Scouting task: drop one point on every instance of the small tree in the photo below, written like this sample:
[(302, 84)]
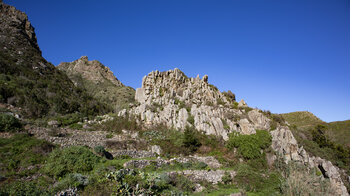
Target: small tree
[(190, 140)]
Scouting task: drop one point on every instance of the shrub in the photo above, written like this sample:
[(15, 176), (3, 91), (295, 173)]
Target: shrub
[(220, 102), (278, 119), (100, 150), (9, 123), (249, 146), (230, 96), (69, 119), (182, 183), (190, 119), (190, 141), (72, 180), (75, 159), (226, 179)]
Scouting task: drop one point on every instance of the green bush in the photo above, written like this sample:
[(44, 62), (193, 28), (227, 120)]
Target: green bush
[(72, 180), (100, 150), (75, 159), (9, 123), (249, 146), (230, 96), (226, 179), (190, 141)]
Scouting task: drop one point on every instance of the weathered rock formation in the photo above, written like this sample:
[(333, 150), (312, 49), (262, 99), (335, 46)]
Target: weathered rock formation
[(173, 99), (285, 144)]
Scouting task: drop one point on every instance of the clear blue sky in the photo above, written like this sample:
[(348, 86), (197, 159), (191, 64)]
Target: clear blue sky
[(285, 56)]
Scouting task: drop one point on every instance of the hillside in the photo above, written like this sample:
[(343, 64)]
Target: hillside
[(302, 119), (99, 81), (179, 135), (338, 131), (27, 80)]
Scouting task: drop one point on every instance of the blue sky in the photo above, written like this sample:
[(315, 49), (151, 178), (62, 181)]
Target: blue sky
[(284, 56)]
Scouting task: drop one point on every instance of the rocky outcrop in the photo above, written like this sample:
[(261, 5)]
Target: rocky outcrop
[(285, 144), (93, 71), (175, 100), (14, 24), (99, 81)]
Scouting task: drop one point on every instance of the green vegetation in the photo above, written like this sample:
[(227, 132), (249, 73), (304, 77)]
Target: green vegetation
[(190, 119), (256, 180), (117, 125), (119, 97), (190, 141), (174, 142), (44, 92), (231, 97), (326, 140), (9, 123), (22, 151), (249, 146), (24, 188), (74, 159), (299, 180), (339, 132), (302, 119), (220, 101)]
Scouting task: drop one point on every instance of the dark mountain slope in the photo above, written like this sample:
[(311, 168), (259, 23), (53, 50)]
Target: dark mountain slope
[(27, 80)]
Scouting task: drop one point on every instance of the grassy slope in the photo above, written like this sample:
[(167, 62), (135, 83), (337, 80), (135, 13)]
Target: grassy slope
[(302, 119), (338, 131), (117, 97)]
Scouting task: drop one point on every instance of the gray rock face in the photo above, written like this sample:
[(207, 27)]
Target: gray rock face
[(14, 24), (285, 144), (173, 99)]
